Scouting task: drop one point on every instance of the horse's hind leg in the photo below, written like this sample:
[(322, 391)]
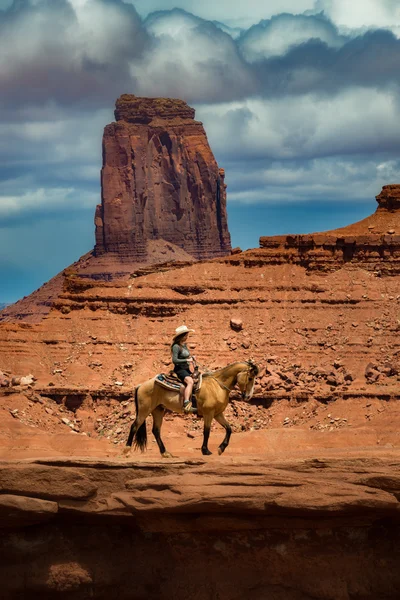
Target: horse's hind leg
[(134, 427), (158, 415), (207, 426), (222, 421), (138, 427)]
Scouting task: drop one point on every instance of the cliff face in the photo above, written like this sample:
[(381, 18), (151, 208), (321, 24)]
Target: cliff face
[(160, 180), (300, 530)]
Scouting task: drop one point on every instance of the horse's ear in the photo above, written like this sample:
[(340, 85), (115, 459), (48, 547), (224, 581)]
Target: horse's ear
[(253, 367)]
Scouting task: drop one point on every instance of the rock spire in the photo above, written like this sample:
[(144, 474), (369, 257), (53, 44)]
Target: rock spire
[(160, 180)]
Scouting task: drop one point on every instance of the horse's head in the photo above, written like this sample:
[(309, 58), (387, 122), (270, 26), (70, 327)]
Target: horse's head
[(246, 379)]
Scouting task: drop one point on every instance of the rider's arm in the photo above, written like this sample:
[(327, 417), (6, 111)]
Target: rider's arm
[(175, 359)]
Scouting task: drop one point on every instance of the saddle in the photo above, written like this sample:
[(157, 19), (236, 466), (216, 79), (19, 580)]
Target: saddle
[(170, 381)]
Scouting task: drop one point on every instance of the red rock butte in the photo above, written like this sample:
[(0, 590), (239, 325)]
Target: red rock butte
[(160, 181)]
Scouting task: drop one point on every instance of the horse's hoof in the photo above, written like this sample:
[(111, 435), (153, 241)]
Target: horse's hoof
[(167, 455), (206, 452)]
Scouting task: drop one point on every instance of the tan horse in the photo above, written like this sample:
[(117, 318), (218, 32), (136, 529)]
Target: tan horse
[(212, 400)]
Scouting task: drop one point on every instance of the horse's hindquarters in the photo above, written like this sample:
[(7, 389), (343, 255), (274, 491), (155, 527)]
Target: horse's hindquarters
[(168, 398)]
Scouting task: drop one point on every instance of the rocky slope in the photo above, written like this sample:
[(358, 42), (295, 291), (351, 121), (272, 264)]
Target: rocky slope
[(315, 332)]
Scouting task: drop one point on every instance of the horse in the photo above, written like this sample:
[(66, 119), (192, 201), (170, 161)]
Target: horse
[(212, 400)]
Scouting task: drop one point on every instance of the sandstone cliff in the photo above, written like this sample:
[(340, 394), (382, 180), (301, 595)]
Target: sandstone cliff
[(160, 180), (295, 530)]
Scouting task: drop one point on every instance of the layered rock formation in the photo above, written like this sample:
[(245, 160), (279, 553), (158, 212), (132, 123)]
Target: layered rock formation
[(373, 243), (160, 180), (286, 307), (303, 505), (293, 530)]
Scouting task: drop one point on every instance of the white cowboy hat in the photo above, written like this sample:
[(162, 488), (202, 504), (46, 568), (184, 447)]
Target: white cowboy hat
[(181, 330)]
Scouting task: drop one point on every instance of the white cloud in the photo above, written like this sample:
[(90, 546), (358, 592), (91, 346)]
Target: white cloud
[(63, 50), (243, 14), (172, 24), (70, 138), (361, 14), (190, 58), (324, 179), (355, 121), (45, 198), (276, 36), (307, 148), (103, 31)]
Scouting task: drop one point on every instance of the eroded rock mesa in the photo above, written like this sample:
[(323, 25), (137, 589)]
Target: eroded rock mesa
[(160, 180)]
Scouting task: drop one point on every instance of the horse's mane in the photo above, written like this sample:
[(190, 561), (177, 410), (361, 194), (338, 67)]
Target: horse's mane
[(218, 371)]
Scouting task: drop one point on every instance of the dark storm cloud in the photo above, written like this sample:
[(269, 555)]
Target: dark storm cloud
[(371, 60), (84, 54), (52, 50)]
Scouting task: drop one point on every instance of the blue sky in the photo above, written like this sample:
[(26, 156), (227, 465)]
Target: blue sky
[(300, 100)]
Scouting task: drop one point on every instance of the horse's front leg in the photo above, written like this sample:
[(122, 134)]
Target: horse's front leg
[(222, 421), (158, 415), (207, 417)]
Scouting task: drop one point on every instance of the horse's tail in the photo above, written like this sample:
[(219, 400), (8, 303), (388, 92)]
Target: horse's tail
[(140, 442)]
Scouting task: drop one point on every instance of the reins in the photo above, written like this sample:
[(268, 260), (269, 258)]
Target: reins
[(221, 384), (211, 376)]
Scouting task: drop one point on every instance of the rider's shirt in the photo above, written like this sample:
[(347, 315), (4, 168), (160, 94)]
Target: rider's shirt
[(180, 354)]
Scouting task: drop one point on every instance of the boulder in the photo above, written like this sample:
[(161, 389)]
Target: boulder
[(371, 373), (236, 324), (4, 380), (27, 380)]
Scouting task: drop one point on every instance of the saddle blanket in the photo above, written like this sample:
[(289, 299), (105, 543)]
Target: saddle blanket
[(171, 382)]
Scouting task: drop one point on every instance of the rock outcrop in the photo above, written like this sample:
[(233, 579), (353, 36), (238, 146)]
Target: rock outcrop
[(373, 243), (293, 530), (160, 180)]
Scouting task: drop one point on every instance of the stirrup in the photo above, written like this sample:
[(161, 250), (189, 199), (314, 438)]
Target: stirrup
[(188, 408)]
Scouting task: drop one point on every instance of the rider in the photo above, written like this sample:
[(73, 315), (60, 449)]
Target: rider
[(181, 359)]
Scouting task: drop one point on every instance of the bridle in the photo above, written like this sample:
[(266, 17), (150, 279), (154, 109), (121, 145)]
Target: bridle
[(225, 387)]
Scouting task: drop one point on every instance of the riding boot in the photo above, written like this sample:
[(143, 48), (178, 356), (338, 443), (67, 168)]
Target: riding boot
[(188, 408)]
